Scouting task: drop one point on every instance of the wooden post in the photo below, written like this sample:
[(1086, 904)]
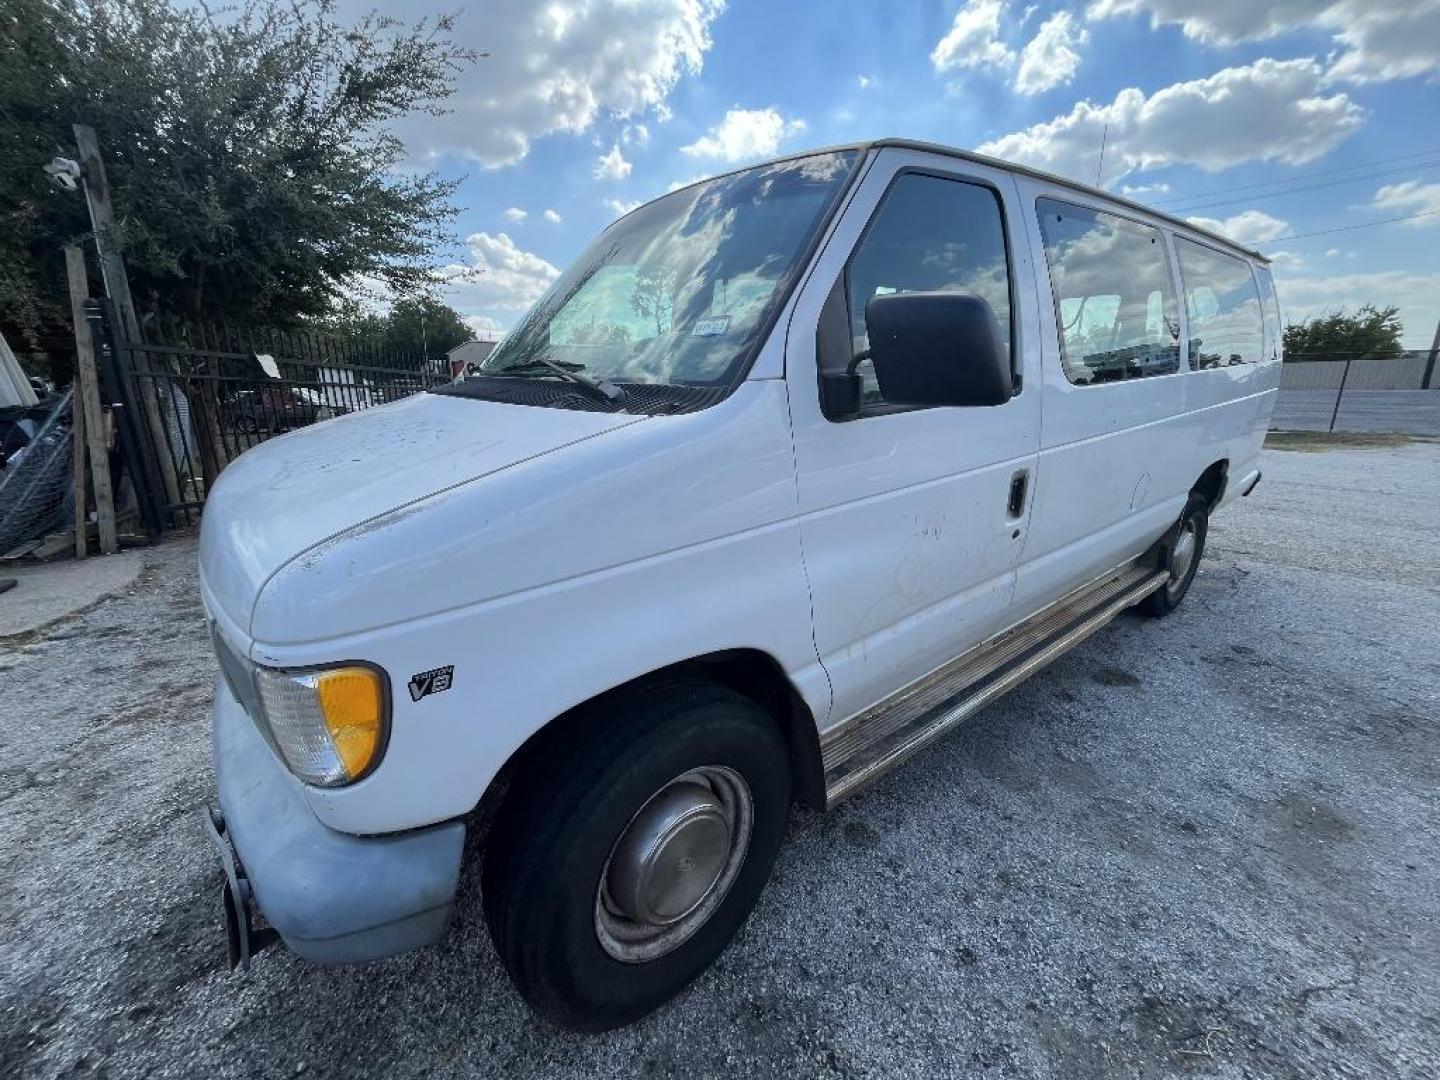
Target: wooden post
[(117, 287), (87, 393), (77, 425)]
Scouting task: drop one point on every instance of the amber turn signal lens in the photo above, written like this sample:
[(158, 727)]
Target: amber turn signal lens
[(352, 702), (328, 724)]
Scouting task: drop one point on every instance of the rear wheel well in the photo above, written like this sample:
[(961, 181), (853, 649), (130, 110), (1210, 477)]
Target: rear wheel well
[(755, 674), (1211, 484)]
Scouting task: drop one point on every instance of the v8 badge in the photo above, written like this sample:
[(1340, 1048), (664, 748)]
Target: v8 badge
[(431, 682)]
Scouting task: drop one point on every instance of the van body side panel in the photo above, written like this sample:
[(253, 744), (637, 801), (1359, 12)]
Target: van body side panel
[(908, 546), (1117, 459), (564, 577)]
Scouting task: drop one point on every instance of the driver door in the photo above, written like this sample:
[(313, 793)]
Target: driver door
[(913, 520)]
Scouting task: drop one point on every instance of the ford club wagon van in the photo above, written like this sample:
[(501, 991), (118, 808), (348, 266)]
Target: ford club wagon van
[(792, 472)]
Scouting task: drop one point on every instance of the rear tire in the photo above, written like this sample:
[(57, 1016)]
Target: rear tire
[(1180, 553), (560, 888)]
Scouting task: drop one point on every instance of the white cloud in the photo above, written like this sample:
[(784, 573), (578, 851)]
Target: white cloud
[(1375, 39), (1251, 228), (500, 275), (558, 67), (612, 166), (1139, 191), (1333, 253), (621, 207), (484, 327), (1395, 41), (744, 134), (1416, 295), (1051, 57), (1411, 197), (552, 216), (636, 135), (973, 40), (676, 185), (515, 214), (1291, 260), (1216, 22), (864, 82), (1271, 110)]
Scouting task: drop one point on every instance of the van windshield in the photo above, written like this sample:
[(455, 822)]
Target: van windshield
[(680, 290)]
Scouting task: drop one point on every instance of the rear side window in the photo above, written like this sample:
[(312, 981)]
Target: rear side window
[(1226, 327), (1114, 296), (931, 234), (1270, 308)]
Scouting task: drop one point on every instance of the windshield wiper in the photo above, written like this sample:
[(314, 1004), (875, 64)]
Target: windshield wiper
[(605, 389)]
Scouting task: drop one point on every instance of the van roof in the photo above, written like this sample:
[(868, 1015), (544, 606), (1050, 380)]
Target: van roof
[(1024, 170)]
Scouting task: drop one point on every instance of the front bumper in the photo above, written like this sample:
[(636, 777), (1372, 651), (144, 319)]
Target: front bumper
[(330, 896)]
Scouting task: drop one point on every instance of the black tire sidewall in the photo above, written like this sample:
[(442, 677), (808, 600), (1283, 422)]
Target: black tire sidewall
[(546, 932), (1166, 599)]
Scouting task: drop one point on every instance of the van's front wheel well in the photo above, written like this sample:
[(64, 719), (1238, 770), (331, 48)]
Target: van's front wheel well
[(751, 672)]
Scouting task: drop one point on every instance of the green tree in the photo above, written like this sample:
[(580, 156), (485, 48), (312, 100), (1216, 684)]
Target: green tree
[(414, 327), (424, 325), (251, 152), (1370, 334)]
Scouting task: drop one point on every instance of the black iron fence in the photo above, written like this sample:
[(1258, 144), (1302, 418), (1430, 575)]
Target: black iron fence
[(1395, 395), (201, 396)]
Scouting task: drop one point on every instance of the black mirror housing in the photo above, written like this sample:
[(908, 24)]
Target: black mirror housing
[(938, 348)]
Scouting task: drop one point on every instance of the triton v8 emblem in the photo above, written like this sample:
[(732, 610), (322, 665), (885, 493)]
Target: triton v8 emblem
[(431, 682)]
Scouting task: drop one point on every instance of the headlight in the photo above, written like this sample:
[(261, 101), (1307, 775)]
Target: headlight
[(329, 725)]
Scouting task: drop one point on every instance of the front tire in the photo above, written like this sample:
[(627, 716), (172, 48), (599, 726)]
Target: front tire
[(632, 848), (1180, 554)]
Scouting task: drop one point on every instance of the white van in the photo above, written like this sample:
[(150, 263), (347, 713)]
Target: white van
[(788, 475)]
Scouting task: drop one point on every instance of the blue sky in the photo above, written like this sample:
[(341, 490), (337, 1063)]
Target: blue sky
[(586, 106)]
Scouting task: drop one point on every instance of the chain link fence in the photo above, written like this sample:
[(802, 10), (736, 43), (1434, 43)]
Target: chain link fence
[(37, 480), (1359, 395)]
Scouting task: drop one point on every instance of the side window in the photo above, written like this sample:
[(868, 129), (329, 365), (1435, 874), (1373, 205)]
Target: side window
[(1223, 304), (1270, 308), (1114, 297), (930, 234)]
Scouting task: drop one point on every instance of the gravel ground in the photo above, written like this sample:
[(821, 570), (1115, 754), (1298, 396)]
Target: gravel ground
[(1204, 847)]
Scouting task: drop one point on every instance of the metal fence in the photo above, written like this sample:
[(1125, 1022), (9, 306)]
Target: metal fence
[(1359, 395), (202, 396)]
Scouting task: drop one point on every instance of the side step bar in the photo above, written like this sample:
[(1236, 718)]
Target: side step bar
[(871, 743)]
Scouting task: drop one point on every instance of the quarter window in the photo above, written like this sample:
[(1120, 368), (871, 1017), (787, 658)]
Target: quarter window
[(1114, 297), (1270, 306), (1226, 326), (931, 234)]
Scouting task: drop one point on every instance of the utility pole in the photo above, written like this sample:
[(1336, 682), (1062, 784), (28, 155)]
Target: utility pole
[(1426, 382), (117, 287), (102, 219)]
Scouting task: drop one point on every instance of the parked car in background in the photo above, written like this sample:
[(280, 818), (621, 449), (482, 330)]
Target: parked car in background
[(272, 409), (792, 472)]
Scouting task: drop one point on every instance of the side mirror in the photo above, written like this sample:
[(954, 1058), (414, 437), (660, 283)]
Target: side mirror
[(938, 348)]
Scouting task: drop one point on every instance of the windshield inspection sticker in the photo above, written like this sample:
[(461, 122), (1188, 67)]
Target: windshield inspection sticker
[(716, 324), (431, 682)]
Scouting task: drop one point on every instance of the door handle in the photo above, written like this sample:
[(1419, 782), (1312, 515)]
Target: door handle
[(1019, 486)]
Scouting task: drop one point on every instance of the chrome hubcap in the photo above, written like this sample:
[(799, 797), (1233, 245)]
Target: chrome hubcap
[(1182, 554), (673, 864)]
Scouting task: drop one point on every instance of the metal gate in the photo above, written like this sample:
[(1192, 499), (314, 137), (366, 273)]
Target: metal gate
[(196, 398)]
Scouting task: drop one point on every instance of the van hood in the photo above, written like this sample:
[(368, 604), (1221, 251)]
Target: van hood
[(288, 494)]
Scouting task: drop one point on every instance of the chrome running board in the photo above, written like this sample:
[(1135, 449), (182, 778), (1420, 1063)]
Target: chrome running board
[(872, 742)]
